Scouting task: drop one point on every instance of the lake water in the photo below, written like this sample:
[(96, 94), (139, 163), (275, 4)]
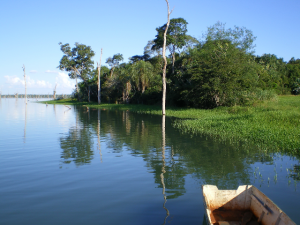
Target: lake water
[(61, 165)]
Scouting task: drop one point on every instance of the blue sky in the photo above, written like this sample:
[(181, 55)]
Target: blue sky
[(32, 29)]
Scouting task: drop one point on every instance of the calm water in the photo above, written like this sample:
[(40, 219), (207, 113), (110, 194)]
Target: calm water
[(79, 166)]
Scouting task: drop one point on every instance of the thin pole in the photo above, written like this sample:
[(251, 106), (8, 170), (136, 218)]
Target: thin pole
[(99, 69), (25, 84), (164, 94)]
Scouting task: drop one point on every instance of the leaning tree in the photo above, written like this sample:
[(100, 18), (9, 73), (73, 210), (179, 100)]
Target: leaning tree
[(77, 62)]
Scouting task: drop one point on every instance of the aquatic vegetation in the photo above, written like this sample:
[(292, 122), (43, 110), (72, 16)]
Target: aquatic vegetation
[(268, 126)]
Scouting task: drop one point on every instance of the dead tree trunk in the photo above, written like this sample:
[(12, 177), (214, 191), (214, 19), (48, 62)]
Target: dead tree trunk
[(54, 92), (25, 84), (165, 64)]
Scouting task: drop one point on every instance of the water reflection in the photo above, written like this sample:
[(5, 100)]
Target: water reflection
[(210, 161), (77, 145), (54, 109), (157, 179), (163, 171), (294, 172), (25, 123), (169, 155), (98, 134)]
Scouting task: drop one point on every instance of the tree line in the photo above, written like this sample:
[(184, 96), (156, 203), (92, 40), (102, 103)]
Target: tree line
[(221, 69)]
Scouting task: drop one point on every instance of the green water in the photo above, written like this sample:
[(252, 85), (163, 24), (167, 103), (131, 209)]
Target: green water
[(79, 166)]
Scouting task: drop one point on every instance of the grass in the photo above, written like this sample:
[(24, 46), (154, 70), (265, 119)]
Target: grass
[(270, 125)]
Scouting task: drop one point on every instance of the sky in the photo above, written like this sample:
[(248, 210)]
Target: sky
[(30, 31)]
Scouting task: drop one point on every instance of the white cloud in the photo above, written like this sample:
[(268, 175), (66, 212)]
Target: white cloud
[(64, 83), (51, 71), (33, 71), (14, 81), (42, 83)]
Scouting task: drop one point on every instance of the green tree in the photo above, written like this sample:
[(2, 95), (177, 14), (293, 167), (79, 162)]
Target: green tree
[(274, 76), (77, 61), (142, 75), (114, 61), (176, 37), (240, 37), (293, 70), (118, 87), (151, 51), (137, 58), (215, 74)]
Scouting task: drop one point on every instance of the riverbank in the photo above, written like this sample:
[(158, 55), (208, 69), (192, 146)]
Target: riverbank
[(269, 126)]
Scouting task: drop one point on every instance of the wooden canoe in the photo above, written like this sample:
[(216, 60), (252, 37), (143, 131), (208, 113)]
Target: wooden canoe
[(244, 206)]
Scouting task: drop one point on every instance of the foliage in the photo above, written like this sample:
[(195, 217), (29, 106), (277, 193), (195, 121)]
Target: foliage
[(77, 61), (114, 61), (142, 74), (176, 37), (268, 126), (293, 74), (216, 74), (296, 87), (241, 37), (176, 34), (221, 70), (137, 58), (273, 73)]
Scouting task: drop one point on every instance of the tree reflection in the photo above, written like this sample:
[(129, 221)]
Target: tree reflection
[(77, 145), (163, 171), (295, 172), (98, 134), (211, 161), (25, 125)]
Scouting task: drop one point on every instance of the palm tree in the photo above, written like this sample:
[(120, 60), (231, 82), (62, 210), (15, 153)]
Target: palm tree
[(142, 74)]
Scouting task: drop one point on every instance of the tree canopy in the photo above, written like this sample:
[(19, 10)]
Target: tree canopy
[(176, 37), (114, 61), (77, 61), (239, 36), (219, 70)]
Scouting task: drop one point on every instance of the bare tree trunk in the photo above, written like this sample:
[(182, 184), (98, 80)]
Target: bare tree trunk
[(112, 71), (124, 95), (54, 92), (77, 85), (76, 75), (99, 86), (25, 84), (165, 64), (128, 89)]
